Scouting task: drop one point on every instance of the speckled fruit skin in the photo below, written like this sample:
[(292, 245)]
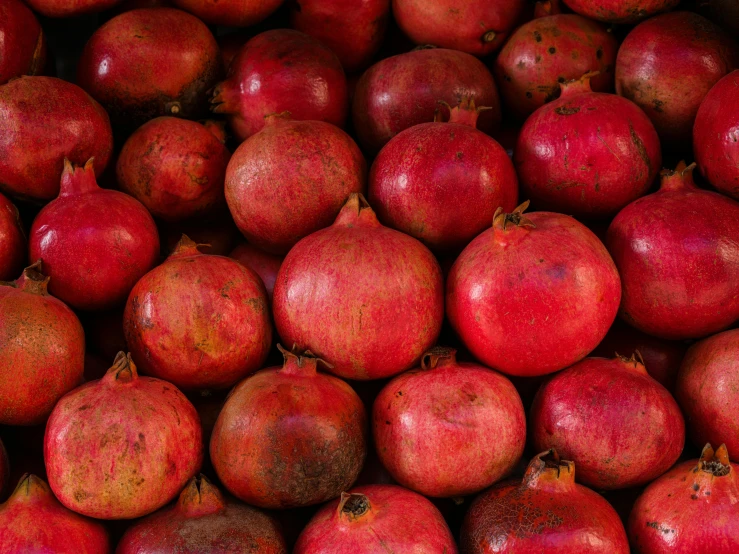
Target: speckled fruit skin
[(95, 243), (339, 288), (42, 349), (620, 11), (442, 182), (262, 263), (291, 179), (692, 508), (202, 520), (282, 70), (377, 518), (581, 413), (587, 154), (22, 42), (546, 512), (42, 121), (174, 167), (663, 244), (12, 240), (404, 90), (148, 63), (123, 446), (198, 321), (533, 294), (70, 8), (234, 13), (290, 436)]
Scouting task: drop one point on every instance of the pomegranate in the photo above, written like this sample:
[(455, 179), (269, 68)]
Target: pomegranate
[(22, 42), (95, 243), (546, 512), (449, 429), (313, 166), (588, 153), (234, 13), (42, 353), (281, 70), (150, 62), (262, 263), (441, 182), (620, 11), (198, 321), (404, 90), (377, 518), (67, 8), (4, 470), (533, 294), (123, 446), (43, 121), (339, 288), (690, 509), (215, 235), (290, 436), (662, 245), (12, 240)]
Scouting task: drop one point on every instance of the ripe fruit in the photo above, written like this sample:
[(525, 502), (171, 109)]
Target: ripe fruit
[(234, 13), (263, 264), (620, 11), (12, 240), (67, 8), (22, 42)]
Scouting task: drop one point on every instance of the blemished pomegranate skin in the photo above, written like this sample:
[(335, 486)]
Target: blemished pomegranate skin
[(620, 11), (22, 42)]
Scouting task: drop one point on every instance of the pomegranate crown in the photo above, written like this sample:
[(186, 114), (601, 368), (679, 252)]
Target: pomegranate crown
[(301, 359), (353, 506), (679, 178), (516, 217), (78, 180), (200, 497), (438, 355), (31, 280), (549, 466), (464, 113), (715, 462), (577, 86)]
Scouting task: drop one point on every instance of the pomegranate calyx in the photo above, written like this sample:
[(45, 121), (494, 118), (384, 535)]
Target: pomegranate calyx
[(186, 248), (200, 498), (577, 86), (716, 463), (224, 98), (636, 360), (546, 7), (353, 506), (78, 180), (272, 118), (424, 47), (489, 36), (679, 178), (465, 113), (123, 369), (548, 467), (357, 212), (173, 108), (438, 356), (516, 217), (32, 280), (30, 486), (305, 363)]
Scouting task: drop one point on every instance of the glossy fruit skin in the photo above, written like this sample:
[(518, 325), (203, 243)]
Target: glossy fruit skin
[(12, 240), (339, 288), (587, 153), (289, 437), (529, 300), (396, 520), (282, 70), (174, 167), (442, 182), (620, 11), (22, 42), (262, 263), (381, 107), (313, 168), (70, 8), (234, 13), (123, 446), (42, 350), (662, 245), (42, 121)]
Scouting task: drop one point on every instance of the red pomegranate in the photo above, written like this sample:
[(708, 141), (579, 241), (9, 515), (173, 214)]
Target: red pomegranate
[(587, 153), (67, 8), (95, 243), (12, 240), (262, 263), (150, 62), (441, 182), (202, 520), (662, 245), (22, 42), (533, 294), (290, 436), (338, 290), (313, 167), (45, 120), (281, 70), (234, 13), (620, 11), (404, 90), (377, 518), (546, 512), (450, 428), (216, 235)]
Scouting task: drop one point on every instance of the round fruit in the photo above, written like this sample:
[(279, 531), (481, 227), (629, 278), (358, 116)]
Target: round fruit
[(70, 8), (22, 42), (233, 13), (620, 11), (12, 240), (262, 263)]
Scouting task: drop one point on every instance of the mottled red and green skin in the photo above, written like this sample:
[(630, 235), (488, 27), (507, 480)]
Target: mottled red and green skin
[(42, 350), (404, 90), (677, 252), (532, 300), (42, 121), (12, 240), (282, 70), (587, 154), (123, 446), (623, 427), (70, 8), (290, 437), (95, 243), (366, 298), (148, 63), (547, 512), (233, 13), (620, 11), (22, 42), (377, 518), (291, 179), (264, 264), (174, 167)]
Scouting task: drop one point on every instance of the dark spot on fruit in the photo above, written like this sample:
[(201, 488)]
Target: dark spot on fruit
[(387, 423), (658, 105), (696, 486), (83, 408), (459, 155), (507, 78), (537, 36), (529, 95), (538, 58), (565, 110), (552, 50), (560, 79), (694, 497), (599, 53)]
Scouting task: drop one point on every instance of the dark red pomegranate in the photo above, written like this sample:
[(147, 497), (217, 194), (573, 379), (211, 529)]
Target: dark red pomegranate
[(262, 263), (377, 518), (338, 290), (404, 90), (234, 13), (22, 42), (313, 167), (662, 245), (290, 436), (533, 294), (216, 235), (12, 240), (587, 153), (95, 243), (43, 121), (67, 8), (441, 182), (620, 11), (546, 512), (282, 70)]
